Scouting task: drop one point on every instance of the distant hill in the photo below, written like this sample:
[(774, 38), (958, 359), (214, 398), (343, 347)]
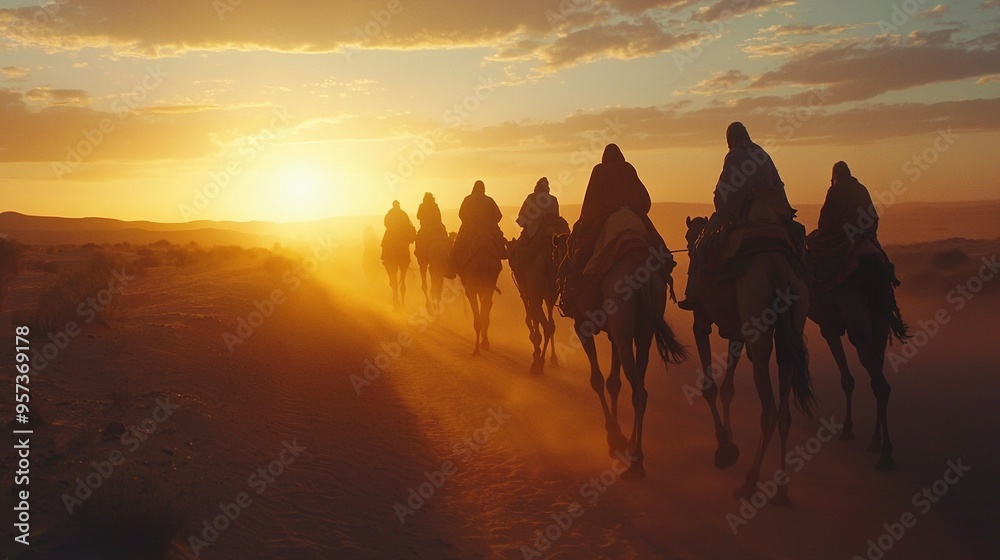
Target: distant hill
[(902, 223)]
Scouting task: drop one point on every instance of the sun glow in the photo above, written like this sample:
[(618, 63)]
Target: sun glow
[(305, 191)]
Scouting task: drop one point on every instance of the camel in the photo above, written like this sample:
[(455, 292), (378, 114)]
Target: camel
[(534, 274), (432, 248), (870, 320), (766, 307), (479, 274), (396, 260), (631, 322)]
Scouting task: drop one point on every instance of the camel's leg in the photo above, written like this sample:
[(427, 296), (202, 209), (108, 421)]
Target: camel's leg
[(549, 329), (637, 379), (403, 269), (616, 441), (761, 352), (846, 382), (470, 295), (729, 452), (644, 338), (784, 417), (725, 453), (728, 389), (855, 310), (486, 304), (614, 379), (437, 284), (423, 280), (880, 340), (532, 318), (393, 284)]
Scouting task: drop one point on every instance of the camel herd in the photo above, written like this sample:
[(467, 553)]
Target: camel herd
[(760, 311)]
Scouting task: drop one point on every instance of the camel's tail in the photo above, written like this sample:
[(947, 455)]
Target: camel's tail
[(671, 350), (792, 351)]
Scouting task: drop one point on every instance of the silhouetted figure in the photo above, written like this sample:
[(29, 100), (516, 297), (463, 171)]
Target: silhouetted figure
[(614, 183), (399, 234), (428, 213), (538, 211), (853, 293), (534, 269), (480, 217), (749, 193), (431, 250), (476, 258)]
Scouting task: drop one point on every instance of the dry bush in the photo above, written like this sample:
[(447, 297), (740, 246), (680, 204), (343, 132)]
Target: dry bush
[(58, 303)]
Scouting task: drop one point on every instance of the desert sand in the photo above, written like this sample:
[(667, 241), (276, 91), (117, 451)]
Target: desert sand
[(507, 456)]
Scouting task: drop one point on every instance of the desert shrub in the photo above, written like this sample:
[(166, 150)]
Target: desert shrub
[(58, 303), (48, 266), (950, 259), (277, 264), (178, 257), (11, 263), (225, 253)]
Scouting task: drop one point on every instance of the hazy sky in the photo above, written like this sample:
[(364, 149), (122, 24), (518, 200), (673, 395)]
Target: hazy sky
[(171, 110)]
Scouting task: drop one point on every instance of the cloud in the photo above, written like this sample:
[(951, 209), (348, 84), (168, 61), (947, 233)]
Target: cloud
[(623, 40), (804, 29), (15, 73), (56, 129), (855, 71), (557, 32), (56, 97), (719, 82), (729, 9)]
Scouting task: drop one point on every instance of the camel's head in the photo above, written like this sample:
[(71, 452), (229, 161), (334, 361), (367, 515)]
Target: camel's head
[(560, 247), (695, 228)]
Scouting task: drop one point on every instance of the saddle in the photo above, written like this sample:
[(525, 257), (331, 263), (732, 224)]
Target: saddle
[(523, 250)]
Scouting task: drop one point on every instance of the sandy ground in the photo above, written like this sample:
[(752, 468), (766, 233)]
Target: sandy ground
[(521, 453)]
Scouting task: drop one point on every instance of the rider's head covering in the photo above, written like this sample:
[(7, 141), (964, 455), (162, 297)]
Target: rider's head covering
[(542, 185), (428, 197), (479, 188), (395, 204), (613, 154), (840, 170), (736, 133)]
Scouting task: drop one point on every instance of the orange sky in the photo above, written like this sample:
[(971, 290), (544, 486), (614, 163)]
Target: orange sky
[(186, 109)]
